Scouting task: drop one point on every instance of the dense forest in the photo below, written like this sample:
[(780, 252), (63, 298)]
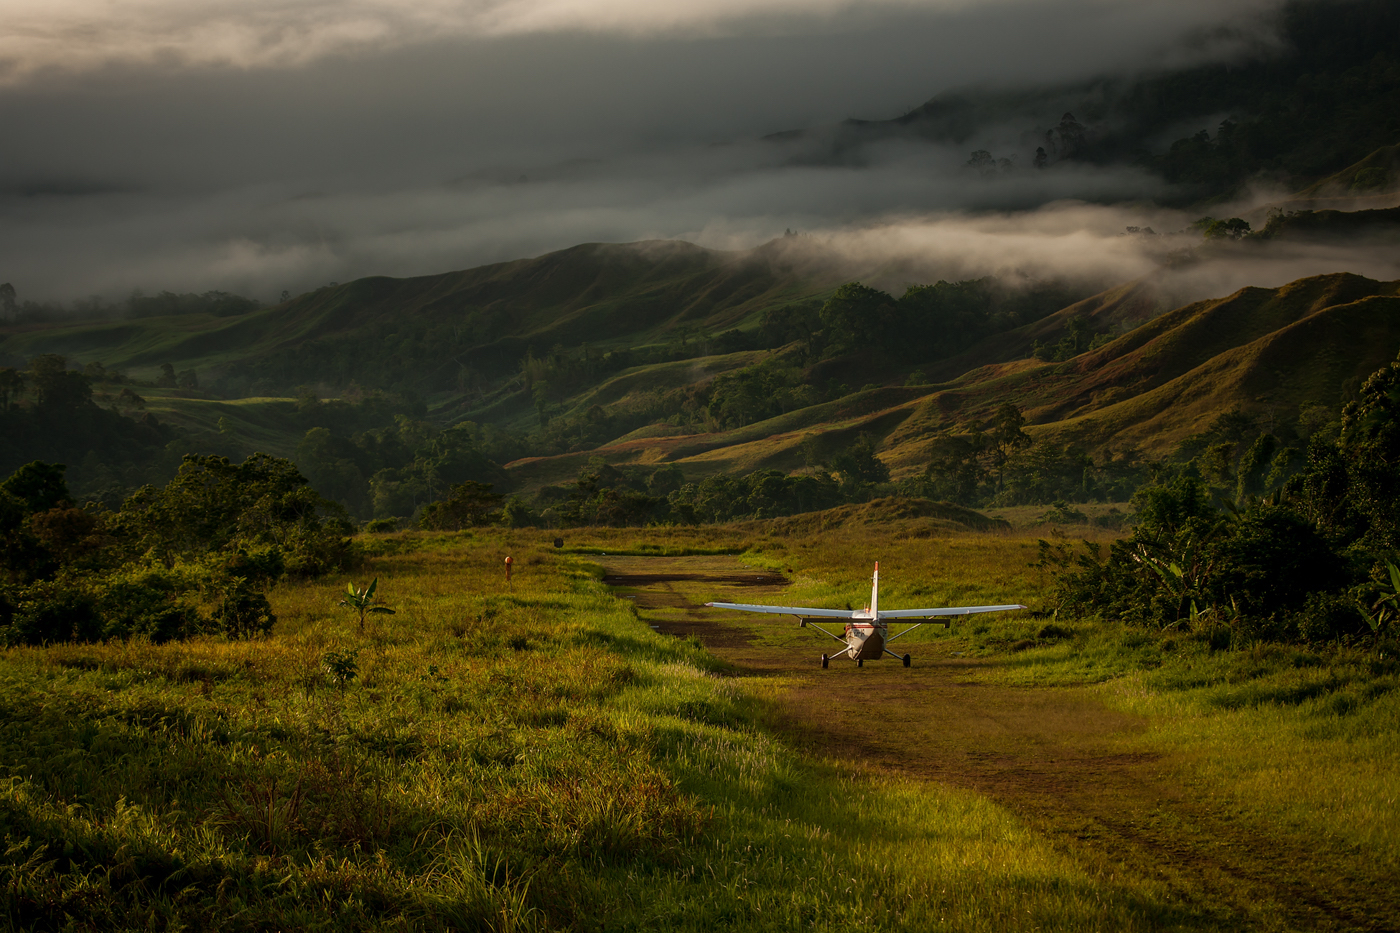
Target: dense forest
[(1321, 100), (1331, 99), (1261, 542)]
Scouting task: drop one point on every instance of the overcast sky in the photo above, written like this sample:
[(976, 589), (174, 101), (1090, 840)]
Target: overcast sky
[(262, 145)]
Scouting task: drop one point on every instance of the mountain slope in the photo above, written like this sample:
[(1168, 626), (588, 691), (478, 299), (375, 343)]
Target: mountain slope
[(1298, 110), (423, 332), (1266, 351)]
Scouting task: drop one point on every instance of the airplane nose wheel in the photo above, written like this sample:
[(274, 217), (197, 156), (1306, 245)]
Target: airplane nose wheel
[(860, 663), (826, 662), (907, 659)]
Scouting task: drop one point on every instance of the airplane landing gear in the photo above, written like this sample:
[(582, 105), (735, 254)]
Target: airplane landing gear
[(860, 663), (907, 659), (826, 662)]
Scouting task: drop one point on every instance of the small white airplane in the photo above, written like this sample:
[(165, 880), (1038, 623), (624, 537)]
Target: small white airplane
[(867, 631)]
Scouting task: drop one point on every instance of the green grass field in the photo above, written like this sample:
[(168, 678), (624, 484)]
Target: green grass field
[(537, 757)]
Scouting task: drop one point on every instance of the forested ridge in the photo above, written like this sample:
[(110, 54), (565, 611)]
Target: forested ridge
[(1323, 98)]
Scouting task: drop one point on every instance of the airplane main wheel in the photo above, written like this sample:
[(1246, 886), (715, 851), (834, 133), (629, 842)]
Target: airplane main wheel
[(826, 662), (860, 663), (907, 659)]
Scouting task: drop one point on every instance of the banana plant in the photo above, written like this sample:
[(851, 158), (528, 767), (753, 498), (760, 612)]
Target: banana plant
[(1185, 578), (362, 601), (1386, 608)]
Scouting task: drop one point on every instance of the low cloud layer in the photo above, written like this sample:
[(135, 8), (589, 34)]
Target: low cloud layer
[(1092, 245), (83, 34), (271, 145), (260, 239)]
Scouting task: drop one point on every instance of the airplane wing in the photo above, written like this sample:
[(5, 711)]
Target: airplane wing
[(788, 610), (950, 611)]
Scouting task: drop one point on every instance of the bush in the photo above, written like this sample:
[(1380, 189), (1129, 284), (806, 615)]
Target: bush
[(1188, 564), (150, 605), (244, 614), (47, 614), (1271, 563), (1329, 617)]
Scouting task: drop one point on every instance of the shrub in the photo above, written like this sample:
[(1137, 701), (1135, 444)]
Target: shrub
[(1329, 617), (244, 614), (1271, 562), (47, 613), (148, 604)]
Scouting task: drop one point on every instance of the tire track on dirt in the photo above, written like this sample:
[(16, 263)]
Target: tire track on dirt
[(1058, 758)]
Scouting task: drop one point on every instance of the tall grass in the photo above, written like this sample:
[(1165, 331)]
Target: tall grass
[(529, 756)]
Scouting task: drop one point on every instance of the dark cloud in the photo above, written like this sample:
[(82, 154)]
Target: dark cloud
[(436, 147)]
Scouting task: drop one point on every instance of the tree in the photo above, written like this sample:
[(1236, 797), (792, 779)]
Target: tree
[(215, 505), (982, 161), (516, 513), (858, 464), (1070, 133), (11, 387), (953, 472), (57, 388), (1353, 488), (7, 299), (39, 486), (470, 503), (859, 317), (1235, 228), (1004, 437)]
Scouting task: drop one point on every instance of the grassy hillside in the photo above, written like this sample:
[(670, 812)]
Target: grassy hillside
[(1265, 351), (425, 333), (658, 354), (1377, 174)]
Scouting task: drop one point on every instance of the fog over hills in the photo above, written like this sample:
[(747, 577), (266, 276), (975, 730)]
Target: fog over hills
[(304, 143), (497, 242)]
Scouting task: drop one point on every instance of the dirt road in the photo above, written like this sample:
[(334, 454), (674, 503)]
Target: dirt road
[(1084, 775)]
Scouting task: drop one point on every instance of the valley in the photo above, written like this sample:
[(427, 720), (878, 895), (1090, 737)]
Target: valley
[(385, 390)]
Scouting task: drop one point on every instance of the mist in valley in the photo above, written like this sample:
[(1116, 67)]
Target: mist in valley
[(278, 149)]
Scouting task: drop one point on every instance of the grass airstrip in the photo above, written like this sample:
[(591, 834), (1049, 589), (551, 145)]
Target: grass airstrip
[(570, 753)]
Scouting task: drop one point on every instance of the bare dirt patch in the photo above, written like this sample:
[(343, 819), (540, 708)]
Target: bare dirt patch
[(1067, 765)]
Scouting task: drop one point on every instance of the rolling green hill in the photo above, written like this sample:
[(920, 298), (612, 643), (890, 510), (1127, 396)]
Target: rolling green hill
[(1265, 351), (625, 353), (444, 333)]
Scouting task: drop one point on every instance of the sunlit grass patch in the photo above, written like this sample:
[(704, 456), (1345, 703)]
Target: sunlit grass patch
[(494, 755), (1312, 745)]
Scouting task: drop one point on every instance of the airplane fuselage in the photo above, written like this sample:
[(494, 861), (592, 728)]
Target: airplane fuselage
[(866, 638)]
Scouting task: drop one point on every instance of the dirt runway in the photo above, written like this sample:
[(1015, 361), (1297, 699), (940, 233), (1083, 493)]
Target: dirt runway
[(1080, 773)]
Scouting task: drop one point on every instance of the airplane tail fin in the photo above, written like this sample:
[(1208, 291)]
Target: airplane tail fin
[(875, 593)]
